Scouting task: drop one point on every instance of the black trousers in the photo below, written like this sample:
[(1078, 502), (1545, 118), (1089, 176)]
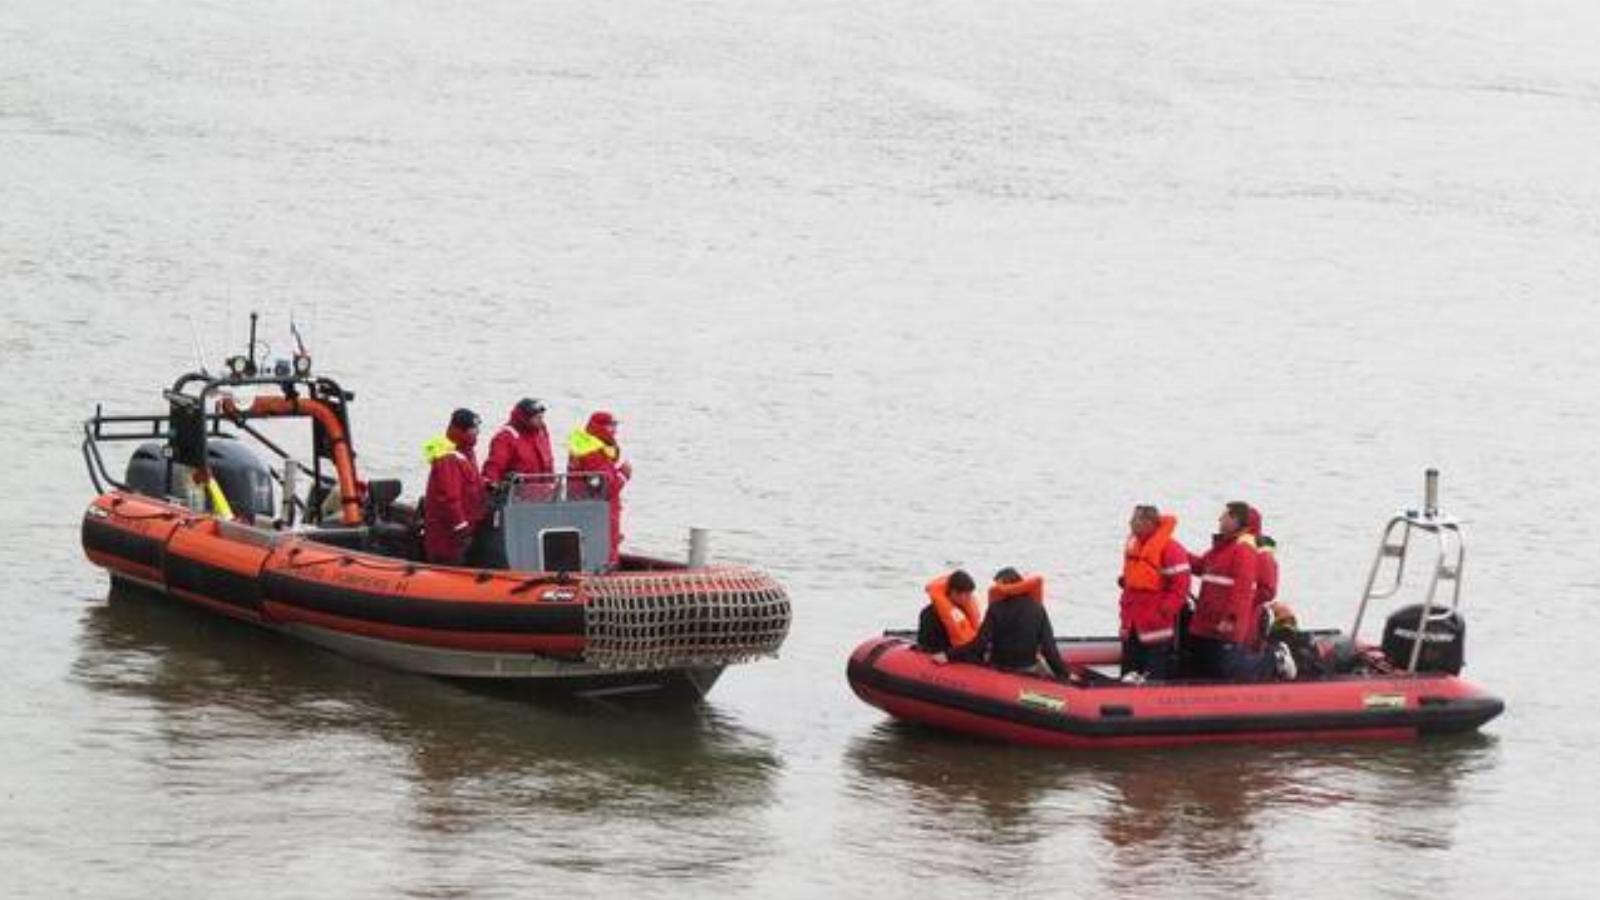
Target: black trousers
[(931, 635), (1151, 660)]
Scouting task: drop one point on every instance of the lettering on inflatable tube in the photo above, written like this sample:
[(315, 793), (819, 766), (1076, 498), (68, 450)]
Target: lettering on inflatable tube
[(1042, 701)]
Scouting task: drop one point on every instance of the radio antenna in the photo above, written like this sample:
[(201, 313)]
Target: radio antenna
[(199, 350)]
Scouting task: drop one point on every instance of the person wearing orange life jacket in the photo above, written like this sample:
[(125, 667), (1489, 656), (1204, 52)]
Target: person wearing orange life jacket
[(1155, 587), (592, 452), (521, 446), (1016, 630), (952, 616), (1223, 634), (454, 505)]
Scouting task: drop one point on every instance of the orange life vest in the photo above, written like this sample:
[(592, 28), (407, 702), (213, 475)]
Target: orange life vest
[(961, 619), (1141, 560), (1032, 586)]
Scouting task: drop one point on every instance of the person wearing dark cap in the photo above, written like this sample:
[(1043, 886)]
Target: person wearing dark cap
[(1016, 632), (521, 446), (593, 454), (1223, 637), (454, 506)]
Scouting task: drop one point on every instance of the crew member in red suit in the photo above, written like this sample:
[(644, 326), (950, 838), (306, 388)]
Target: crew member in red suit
[(1155, 587), (1266, 560), (521, 446), (454, 506), (592, 452), (1223, 638), (1266, 598)]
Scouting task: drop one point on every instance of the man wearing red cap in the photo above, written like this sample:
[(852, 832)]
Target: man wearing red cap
[(593, 451), (521, 446), (454, 505)]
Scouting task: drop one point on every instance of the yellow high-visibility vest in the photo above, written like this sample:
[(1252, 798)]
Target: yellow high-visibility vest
[(581, 443)]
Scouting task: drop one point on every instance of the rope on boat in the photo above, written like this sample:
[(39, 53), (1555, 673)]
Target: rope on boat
[(671, 620)]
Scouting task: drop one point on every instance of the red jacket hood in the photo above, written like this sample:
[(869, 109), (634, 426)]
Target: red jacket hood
[(523, 424), (602, 426)]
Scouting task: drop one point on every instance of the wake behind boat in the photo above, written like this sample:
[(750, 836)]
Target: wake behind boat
[(339, 563)]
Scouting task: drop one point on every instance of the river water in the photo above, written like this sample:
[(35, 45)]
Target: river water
[(876, 289)]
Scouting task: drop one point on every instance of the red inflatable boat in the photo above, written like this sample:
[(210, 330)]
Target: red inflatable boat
[(339, 563), (1407, 687)]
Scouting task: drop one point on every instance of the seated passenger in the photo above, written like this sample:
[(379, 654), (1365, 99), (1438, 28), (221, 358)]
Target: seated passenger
[(1016, 630), (1294, 654), (952, 615), (1155, 587)]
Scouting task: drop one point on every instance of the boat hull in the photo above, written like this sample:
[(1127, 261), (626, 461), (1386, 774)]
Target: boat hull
[(909, 684), (513, 632)]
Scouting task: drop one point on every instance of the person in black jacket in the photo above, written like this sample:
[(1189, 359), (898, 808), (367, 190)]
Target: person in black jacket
[(1016, 631)]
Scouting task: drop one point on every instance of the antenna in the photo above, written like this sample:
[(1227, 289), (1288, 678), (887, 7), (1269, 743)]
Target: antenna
[(299, 342), (199, 351), (250, 349)]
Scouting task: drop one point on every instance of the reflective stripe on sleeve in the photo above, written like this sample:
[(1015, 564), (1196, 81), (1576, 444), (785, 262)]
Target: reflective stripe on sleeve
[(1217, 579), (1173, 570)]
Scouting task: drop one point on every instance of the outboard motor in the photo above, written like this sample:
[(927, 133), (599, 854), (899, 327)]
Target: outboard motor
[(1444, 640), (245, 480)]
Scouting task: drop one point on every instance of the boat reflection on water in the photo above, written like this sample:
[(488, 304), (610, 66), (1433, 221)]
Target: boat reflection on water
[(226, 690), (1202, 814)]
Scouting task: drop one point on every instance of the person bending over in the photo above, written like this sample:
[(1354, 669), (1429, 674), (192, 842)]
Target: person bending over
[(1016, 631)]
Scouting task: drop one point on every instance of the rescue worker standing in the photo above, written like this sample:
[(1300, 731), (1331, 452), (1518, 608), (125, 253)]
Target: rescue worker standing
[(1266, 561), (1016, 630), (1270, 613), (521, 446), (1155, 587), (1223, 635), (952, 616), (592, 452), (454, 506)]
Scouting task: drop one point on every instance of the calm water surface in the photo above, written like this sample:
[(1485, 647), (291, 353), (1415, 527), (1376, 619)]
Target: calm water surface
[(876, 289)]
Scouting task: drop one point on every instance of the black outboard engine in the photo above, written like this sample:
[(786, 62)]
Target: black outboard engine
[(245, 480), (1444, 640)]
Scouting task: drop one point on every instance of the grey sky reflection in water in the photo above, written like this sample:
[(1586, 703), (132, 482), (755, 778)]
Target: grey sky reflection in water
[(1159, 818), (484, 771)]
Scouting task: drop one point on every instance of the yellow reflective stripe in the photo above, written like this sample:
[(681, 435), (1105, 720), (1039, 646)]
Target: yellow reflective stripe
[(219, 500), (582, 443), (437, 446)]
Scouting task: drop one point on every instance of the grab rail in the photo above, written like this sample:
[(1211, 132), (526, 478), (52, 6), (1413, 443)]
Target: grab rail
[(1449, 558)]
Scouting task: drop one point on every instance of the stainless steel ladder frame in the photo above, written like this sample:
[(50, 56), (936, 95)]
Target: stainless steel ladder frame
[(1450, 557)]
